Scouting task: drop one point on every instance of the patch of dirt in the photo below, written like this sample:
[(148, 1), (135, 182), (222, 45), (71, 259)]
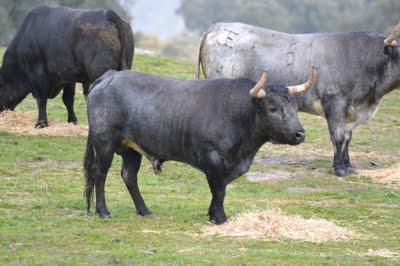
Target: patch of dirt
[(271, 175), (381, 253), (274, 224), (58, 164), (24, 123), (302, 190), (287, 160), (389, 176)]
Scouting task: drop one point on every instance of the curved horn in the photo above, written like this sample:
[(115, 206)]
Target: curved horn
[(392, 39), (258, 90), (303, 87)]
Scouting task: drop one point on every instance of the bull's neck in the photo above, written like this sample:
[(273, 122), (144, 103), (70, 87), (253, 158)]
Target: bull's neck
[(390, 79), (258, 133)]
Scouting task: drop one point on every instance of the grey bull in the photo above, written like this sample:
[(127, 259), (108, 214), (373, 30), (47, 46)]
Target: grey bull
[(355, 71)]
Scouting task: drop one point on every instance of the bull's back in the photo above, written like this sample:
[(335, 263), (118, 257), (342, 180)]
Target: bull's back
[(238, 50), (167, 118)]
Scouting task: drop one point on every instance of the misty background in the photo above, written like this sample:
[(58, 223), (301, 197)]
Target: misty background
[(173, 27)]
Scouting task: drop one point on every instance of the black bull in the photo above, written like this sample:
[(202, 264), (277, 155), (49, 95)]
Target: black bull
[(56, 47), (216, 126), (355, 71)]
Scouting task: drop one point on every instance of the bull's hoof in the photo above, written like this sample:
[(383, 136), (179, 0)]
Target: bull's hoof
[(144, 213), (104, 215), (218, 219), (41, 124), (351, 170), (345, 171), (75, 122)]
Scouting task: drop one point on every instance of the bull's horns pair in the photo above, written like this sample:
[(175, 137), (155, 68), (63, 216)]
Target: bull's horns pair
[(392, 39), (258, 90)]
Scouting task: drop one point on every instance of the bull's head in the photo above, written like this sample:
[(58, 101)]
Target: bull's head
[(11, 92), (278, 109)]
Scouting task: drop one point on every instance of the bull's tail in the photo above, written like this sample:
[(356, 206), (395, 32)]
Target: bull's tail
[(200, 63), (199, 59), (116, 19), (89, 178)]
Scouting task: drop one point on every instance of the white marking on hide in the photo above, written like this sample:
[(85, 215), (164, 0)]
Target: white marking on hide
[(358, 115)]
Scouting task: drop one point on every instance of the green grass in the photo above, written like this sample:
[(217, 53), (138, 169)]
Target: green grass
[(42, 211)]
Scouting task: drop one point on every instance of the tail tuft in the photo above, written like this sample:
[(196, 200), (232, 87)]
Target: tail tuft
[(89, 178)]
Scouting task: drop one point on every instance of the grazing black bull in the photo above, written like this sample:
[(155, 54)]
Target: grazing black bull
[(58, 46), (216, 126), (355, 71)]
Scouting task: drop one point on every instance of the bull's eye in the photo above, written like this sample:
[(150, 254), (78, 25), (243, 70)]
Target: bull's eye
[(273, 109)]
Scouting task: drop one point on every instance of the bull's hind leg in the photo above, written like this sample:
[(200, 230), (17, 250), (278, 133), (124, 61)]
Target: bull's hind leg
[(349, 166), (130, 167), (68, 99), (104, 157)]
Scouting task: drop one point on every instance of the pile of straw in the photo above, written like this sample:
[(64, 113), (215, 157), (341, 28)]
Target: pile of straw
[(24, 123), (274, 224)]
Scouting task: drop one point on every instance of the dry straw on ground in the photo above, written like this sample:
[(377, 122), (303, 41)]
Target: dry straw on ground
[(274, 224), (24, 123), (388, 176), (381, 253)]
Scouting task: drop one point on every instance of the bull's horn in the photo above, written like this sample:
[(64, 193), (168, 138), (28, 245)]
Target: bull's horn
[(258, 90), (392, 39), (303, 87)]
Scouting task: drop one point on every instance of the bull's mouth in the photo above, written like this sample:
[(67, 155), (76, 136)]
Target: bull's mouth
[(294, 139)]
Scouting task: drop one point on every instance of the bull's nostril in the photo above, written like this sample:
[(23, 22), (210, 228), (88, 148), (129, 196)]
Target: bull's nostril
[(300, 134)]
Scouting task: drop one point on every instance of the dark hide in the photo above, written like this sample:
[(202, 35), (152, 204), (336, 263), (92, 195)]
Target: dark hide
[(213, 125), (355, 71), (58, 46)]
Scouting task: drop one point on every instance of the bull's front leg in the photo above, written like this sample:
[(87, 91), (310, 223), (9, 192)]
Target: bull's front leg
[(218, 191), (42, 119)]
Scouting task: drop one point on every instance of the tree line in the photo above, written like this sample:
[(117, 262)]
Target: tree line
[(300, 16)]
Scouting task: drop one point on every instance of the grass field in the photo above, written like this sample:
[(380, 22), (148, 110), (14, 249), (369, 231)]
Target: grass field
[(43, 219)]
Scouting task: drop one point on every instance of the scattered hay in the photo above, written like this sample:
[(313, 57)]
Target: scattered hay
[(381, 253), (286, 160), (274, 224), (24, 123), (388, 176)]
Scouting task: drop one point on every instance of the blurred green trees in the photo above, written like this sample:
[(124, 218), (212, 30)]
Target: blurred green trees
[(295, 16), (12, 12)]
